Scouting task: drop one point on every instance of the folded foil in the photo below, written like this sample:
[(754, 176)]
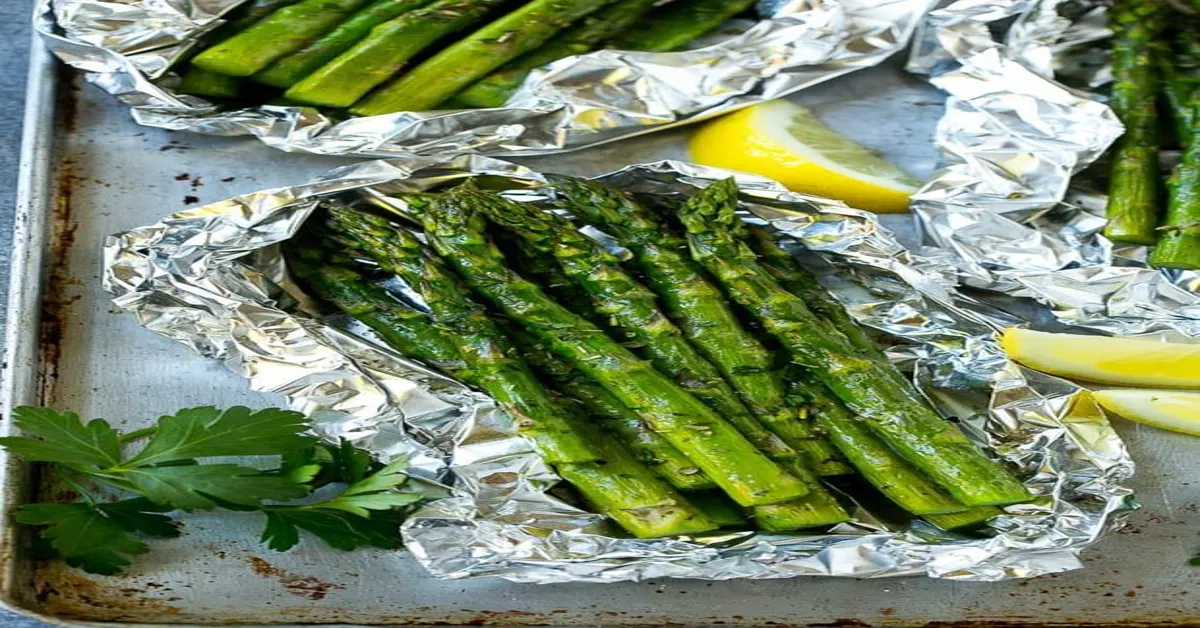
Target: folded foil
[(213, 279), (1009, 209), (127, 48)]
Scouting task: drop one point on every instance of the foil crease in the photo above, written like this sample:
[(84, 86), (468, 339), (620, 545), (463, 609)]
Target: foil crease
[(213, 279), (1009, 208), (127, 48)]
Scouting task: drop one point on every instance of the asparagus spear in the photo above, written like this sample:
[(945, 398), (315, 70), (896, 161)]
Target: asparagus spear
[(717, 507), (200, 82), (496, 88), (291, 69), (633, 309), (818, 508), (1179, 246), (651, 448), (455, 227), (1179, 70), (700, 309), (894, 412), (879, 465), (472, 58), (475, 358), (678, 23), (965, 519), (275, 36), (346, 79), (1133, 181), (254, 11)]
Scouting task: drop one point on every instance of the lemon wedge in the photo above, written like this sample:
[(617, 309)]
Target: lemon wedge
[(787, 143), (1166, 409), (1122, 361)]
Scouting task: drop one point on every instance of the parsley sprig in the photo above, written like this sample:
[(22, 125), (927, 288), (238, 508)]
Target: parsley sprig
[(168, 473)]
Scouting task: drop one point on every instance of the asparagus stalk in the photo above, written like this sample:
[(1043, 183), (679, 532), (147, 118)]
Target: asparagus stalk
[(965, 519), (496, 88), (472, 58), (1179, 70), (700, 309), (894, 412), (275, 36), (1179, 246), (488, 363), (818, 508), (254, 11), (633, 309), (678, 23), (717, 507), (344, 80), (291, 69), (651, 448), (455, 227), (879, 465), (200, 82), (1133, 181)]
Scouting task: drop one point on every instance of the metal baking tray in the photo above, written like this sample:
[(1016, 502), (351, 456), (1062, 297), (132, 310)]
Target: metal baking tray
[(89, 171)]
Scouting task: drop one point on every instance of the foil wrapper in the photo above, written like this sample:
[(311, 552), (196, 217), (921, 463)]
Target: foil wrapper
[(128, 47), (1012, 209), (213, 278)]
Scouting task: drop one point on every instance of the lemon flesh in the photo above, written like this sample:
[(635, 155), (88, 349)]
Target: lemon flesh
[(1165, 409), (787, 143), (1122, 361)]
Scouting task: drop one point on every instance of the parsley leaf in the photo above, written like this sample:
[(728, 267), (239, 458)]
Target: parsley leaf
[(374, 492), (63, 438), (96, 538), (189, 487), (206, 432)]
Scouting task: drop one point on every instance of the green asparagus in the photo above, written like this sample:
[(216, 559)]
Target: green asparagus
[(678, 23), (652, 449), (455, 227), (275, 36), (200, 82), (634, 311), (965, 519), (346, 79), (818, 508), (487, 362), (254, 11), (472, 58), (1179, 246), (894, 412), (701, 310), (1134, 179), (717, 507), (1179, 70), (496, 88), (291, 69)]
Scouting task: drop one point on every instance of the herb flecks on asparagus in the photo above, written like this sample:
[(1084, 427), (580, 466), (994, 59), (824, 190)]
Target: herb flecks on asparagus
[(455, 227), (894, 412)]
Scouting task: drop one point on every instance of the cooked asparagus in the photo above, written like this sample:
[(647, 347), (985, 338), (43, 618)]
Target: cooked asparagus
[(200, 82), (964, 519), (633, 309), (893, 411), (496, 88), (389, 47), (701, 310), (1179, 69), (678, 23), (291, 69), (717, 507), (473, 57), (487, 362), (1179, 246), (1134, 179), (275, 36), (455, 227)]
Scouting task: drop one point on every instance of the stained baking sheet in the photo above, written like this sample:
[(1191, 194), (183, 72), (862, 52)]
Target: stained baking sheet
[(90, 171)]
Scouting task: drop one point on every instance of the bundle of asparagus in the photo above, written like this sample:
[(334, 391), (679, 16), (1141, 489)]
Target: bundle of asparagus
[(636, 379), (356, 54), (1155, 64)]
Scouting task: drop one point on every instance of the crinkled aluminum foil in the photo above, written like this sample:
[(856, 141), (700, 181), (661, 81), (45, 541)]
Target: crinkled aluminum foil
[(1009, 208), (212, 278), (127, 47)]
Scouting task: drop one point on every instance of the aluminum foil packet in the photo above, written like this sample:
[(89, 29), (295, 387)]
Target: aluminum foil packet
[(127, 48), (213, 278), (1013, 209)]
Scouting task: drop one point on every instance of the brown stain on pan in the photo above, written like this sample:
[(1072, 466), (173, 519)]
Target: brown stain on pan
[(62, 592), (307, 587)]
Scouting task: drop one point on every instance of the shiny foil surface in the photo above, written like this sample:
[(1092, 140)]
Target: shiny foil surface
[(127, 49), (213, 279), (1013, 208)]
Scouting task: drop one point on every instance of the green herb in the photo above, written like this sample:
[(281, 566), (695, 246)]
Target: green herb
[(167, 474)]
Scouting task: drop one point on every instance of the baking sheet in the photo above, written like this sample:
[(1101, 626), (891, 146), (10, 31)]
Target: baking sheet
[(109, 175)]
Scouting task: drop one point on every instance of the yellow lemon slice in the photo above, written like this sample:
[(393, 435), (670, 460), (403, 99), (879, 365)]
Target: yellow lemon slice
[(1123, 361), (1166, 409), (787, 143)]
